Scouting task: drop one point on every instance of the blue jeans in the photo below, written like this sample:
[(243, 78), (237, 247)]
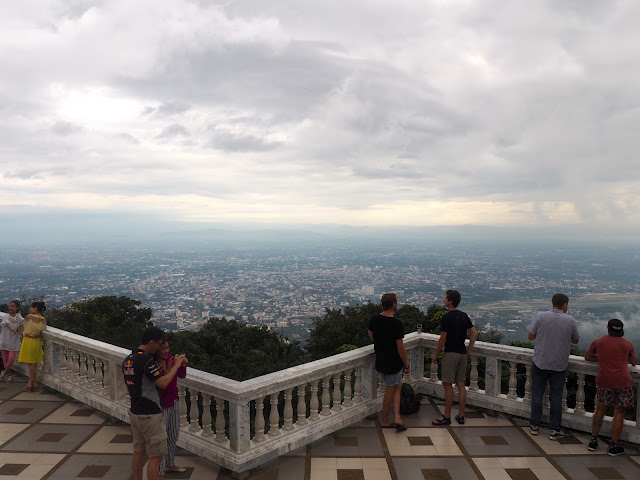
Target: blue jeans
[(539, 379)]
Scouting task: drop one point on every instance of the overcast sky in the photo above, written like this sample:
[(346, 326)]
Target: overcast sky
[(288, 112)]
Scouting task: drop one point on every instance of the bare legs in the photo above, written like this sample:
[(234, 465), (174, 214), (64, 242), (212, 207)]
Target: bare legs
[(153, 466), (616, 426), (391, 397), (448, 398), (32, 384)]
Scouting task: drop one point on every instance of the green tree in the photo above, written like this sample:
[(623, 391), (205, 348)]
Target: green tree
[(340, 327), (116, 320)]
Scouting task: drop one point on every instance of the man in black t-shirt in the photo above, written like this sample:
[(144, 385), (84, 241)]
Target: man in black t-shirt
[(142, 376), (453, 333), (391, 358)]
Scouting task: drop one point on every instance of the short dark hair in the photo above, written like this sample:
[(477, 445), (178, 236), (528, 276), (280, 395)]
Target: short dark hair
[(454, 297), (388, 299), (4, 308), (559, 299), (153, 334), (16, 303)]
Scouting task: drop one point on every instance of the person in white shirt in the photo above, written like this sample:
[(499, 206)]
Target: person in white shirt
[(10, 338)]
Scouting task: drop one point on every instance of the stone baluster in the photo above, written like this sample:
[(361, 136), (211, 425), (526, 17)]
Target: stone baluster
[(91, 371), (347, 389), (63, 361), (357, 393), (259, 436), (527, 384), (380, 391), (194, 426), (46, 366), (99, 378), (513, 382), (313, 406), (580, 395), (288, 410), (69, 370), (337, 393), (83, 367), (547, 402), (433, 372), (302, 405), (76, 365), (326, 398), (106, 388), (207, 431), (564, 397), (182, 406), (473, 375), (274, 417), (220, 435)]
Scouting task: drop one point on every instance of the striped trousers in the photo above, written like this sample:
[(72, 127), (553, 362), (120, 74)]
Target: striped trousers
[(172, 422)]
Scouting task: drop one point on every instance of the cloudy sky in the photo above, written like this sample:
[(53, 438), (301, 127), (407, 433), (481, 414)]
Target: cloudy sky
[(289, 112)]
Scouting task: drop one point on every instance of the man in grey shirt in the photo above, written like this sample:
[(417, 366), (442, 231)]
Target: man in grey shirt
[(554, 332)]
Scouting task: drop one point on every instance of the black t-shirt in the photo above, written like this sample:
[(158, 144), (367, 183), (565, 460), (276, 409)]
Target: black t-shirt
[(455, 323), (140, 372), (386, 330)]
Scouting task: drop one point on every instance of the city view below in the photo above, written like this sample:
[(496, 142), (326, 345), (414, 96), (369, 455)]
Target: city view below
[(286, 288)]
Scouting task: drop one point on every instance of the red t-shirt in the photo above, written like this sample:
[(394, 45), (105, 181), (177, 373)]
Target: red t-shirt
[(613, 361)]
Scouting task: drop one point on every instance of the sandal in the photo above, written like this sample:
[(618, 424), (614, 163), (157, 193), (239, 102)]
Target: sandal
[(442, 420), (175, 469), (391, 425), (460, 419), (28, 388), (400, 427)]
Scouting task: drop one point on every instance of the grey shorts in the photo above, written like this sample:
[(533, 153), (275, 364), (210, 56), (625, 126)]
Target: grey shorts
[(454, 367), (149, 434)]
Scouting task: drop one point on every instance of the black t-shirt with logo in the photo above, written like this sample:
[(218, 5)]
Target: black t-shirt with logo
[(140, 372)]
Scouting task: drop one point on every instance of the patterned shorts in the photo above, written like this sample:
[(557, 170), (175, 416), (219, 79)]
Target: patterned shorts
[(621, 398)]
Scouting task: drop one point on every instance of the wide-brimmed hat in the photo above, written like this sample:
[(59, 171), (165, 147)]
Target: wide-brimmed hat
[(615, 328)]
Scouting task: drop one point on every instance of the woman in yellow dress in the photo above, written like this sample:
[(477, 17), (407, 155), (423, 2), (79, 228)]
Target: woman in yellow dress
[(31, 349)]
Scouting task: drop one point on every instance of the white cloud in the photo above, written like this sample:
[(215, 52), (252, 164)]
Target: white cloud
[(497, 113)]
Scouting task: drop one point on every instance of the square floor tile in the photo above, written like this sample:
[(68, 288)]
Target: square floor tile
[(109, 439), (50, 438), (106, 467), (37, 464), (597, 466), (76, 414), (491, 441), (413, 468), (23, 411), (368, 444)]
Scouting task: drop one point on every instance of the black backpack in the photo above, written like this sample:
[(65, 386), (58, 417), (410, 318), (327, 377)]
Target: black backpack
[(408, 402)]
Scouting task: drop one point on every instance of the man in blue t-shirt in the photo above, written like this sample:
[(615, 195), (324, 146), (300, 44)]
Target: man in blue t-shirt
[(453, 332), (391, 358), (142, 376)]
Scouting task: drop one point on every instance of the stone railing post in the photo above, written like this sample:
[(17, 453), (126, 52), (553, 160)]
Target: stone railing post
[(369, 381), (117, 388), (492, 375), (52, 358), (416, 362)]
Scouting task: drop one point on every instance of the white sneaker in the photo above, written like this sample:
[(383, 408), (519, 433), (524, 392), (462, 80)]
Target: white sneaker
[(534, 429)]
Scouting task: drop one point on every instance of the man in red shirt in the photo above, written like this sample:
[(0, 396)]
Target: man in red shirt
[(613, 354)]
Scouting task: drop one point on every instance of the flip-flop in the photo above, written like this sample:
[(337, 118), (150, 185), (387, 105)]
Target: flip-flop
[(391, 425), (175, 469), (442, 420), (460, 419), (400, 427)]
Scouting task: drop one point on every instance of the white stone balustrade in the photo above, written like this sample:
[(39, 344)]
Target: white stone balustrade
[(306, 402)]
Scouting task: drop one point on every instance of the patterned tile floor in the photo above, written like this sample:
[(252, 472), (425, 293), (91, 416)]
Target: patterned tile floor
[(44, 435)]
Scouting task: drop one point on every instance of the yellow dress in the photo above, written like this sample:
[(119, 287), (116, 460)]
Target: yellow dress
[(31, 349)]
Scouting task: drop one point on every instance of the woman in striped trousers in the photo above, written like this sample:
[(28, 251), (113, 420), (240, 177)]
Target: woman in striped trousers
[(169, 403)]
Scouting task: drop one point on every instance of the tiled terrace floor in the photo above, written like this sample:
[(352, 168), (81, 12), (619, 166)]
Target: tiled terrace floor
[(44, 435)]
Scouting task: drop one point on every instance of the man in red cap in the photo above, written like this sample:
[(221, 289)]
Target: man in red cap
[(613, 354)]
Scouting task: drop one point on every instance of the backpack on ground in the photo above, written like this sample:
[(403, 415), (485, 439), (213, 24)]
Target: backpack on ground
[(408, 401)]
